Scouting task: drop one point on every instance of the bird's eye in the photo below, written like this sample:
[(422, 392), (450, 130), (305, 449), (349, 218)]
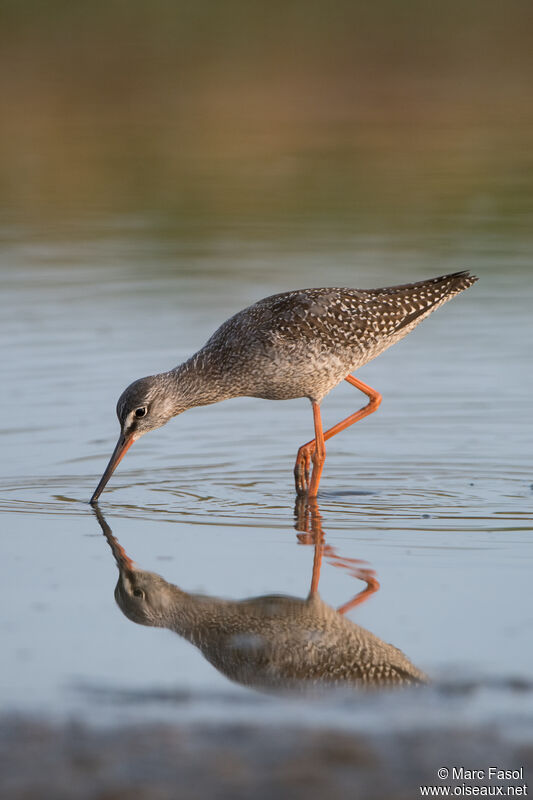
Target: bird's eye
[(138, 593), (140, 412)]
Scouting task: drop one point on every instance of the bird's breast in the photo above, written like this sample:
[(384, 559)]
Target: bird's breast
[(285, 372)]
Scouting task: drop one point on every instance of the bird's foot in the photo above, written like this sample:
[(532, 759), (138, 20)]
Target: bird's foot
[(302, 468)]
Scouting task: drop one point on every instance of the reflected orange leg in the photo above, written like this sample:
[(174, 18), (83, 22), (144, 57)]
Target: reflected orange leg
[(317, 563), (309, 523), (307, 451), (372, 586), (358, 569)]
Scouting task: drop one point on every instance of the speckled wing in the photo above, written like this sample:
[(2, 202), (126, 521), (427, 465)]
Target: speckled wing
[(339, 317), (303, 343), (346, 318)]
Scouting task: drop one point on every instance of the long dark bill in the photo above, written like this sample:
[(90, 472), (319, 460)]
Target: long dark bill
[(123, 445)]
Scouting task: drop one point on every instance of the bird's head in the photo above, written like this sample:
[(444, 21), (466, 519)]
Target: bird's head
[(145, 597), (144, 406)]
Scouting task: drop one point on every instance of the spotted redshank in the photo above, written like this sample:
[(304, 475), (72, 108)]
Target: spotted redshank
[(296, 344)]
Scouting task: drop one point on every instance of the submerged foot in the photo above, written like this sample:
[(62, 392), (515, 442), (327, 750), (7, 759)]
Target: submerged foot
[(301, 471)]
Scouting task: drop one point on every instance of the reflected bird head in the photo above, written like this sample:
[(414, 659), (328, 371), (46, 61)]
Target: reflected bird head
[(145, 597)]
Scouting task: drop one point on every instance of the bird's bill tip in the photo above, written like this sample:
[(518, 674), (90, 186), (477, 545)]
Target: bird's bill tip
[(123, 445)]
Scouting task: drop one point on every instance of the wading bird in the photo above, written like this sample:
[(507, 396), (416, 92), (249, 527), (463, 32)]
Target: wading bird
[(296, 344)]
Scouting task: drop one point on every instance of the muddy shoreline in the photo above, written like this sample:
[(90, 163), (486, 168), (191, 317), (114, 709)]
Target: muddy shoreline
[(72, 761)]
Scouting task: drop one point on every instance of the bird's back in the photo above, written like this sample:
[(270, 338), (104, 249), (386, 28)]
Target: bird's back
[(304, 342)]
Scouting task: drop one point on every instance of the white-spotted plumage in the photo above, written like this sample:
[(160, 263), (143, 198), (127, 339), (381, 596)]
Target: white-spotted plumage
[(303, 343)]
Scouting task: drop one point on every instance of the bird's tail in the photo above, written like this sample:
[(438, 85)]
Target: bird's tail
[(434, 288), (419, 299)]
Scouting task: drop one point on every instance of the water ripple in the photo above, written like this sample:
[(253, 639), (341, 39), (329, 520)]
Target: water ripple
[(447, 499)]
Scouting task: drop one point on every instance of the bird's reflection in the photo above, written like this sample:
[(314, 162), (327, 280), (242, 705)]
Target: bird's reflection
[(272, 642)]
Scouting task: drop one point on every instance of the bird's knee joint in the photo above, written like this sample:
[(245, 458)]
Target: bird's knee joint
[(375, 401)]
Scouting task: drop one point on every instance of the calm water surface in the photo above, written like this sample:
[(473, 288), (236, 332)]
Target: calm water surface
[(434, 492)]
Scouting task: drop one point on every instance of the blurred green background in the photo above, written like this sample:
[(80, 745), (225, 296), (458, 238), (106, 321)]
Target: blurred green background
[(268, 117)]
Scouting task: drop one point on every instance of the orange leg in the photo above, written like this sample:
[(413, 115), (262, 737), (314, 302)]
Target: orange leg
[(318, 456), (307, 451)]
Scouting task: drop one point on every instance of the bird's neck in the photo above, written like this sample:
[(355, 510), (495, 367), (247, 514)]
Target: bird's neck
[(198, 382), (202, 618), (193, 616)]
